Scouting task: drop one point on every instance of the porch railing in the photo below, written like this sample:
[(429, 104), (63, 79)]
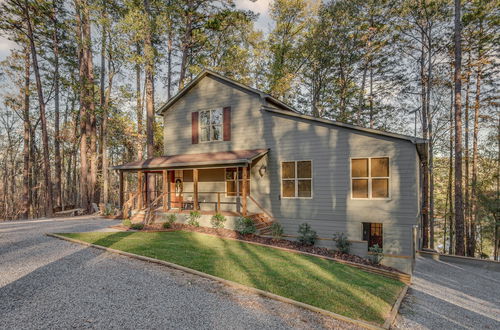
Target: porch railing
[(166, 201)]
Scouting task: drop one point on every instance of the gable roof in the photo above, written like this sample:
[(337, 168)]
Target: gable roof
[(285, 108), (207, 72)]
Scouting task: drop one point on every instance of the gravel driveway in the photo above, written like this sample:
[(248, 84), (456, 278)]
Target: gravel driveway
[(451, 296), (50, 283)]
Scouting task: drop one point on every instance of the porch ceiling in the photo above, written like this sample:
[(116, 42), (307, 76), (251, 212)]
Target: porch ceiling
[(206, 159)]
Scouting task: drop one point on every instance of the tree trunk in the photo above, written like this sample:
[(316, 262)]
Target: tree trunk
[(474, 214), (57, 149), (25, 213), (467, 213), (450, 169), (425, 183), (431, 137), (149, 55), (139, 107), (459, 212), (43, 118)]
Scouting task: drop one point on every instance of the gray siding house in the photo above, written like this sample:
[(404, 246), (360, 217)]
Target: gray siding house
[(238, 151)]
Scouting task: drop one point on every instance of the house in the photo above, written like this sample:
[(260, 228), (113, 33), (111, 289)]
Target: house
[(235, 150)]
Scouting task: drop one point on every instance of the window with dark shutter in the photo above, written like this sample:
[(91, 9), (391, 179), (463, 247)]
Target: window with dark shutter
[(194, 127), (227, 123)]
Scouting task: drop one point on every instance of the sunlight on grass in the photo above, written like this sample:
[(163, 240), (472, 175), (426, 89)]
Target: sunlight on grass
[(322, 283)]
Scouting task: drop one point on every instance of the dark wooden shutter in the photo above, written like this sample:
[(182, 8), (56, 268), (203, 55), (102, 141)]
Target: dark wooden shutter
[(194, 127), (227, 123)]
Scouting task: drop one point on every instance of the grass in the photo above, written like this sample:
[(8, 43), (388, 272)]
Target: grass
[(322, 283)]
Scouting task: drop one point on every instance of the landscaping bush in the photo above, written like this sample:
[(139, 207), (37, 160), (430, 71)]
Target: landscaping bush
[(376, 254), (194, 216), (218, 221), (127, 223), (245, 226), (342, 243), (171, 218), (137, 226), (307, 236), (276, 230)]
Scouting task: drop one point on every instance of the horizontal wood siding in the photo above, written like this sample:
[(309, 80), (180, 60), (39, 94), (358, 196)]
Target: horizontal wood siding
[(329, 147)]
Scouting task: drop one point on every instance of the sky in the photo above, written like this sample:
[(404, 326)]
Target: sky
[(260, 7)]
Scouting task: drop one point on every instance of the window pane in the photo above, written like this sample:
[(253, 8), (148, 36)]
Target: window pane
[(305, 188), (304, 169), (359, 167), (380, 188), (360, 188), (230, 172), (288, 170), (380, 167), (216, 117), (231, 188), (288, 188), (216, 133), (204, 118), (205, 133)]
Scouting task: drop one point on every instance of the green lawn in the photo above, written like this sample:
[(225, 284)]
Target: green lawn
[(323, 283)]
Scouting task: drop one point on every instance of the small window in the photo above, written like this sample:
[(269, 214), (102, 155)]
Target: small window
[(370, 177), (372, 233), (296, 179), (211, 125), (235, 176)]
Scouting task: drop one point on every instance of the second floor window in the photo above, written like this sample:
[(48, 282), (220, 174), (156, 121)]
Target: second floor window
[(211, 125)]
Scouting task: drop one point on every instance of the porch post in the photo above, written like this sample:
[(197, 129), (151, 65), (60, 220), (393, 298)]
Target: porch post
[(146, 189), (139, 189), (165, 190), (120, 196), (195, 189), (244, 192)]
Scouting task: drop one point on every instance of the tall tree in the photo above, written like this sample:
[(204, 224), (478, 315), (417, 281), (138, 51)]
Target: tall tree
[(459, 211)]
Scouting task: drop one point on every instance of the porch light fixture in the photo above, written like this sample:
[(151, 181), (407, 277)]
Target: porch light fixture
[(262, 170)]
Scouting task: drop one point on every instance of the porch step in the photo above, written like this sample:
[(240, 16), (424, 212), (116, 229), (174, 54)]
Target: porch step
[(262, 223)]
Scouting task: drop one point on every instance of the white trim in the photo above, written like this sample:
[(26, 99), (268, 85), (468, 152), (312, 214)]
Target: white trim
[(296, 179), (370, 178), (209, 125)]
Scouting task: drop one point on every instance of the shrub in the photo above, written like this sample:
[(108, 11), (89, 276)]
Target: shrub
[(137, 226), (342, 243), (109, 210), (218, 221), (376, 254), (307, 236), (171, 218), (245, 226), (127, 223), (194, 216), (276, 230)]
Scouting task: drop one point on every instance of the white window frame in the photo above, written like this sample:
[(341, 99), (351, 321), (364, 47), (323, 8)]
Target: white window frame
[(296, 179), (369, 178), (209, 125), (238, 179)]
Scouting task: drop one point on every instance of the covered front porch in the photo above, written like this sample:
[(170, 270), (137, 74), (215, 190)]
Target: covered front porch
[(209, 183)]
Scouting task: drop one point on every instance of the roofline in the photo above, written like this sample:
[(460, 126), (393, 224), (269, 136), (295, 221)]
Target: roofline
[(206, 72), (243, 161), (413, 139)]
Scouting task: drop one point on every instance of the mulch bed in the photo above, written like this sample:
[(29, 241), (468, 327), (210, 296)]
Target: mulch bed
[(283, 243)]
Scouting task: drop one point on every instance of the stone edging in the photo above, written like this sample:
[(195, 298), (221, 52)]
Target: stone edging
[(360, 323)]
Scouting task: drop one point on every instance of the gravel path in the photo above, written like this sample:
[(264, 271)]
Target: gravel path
[(451, 296), (50, 283)]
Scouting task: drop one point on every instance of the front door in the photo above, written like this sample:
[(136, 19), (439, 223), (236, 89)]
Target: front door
[(176, 188)]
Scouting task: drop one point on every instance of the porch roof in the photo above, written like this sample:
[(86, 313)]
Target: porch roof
[(206, 159)]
